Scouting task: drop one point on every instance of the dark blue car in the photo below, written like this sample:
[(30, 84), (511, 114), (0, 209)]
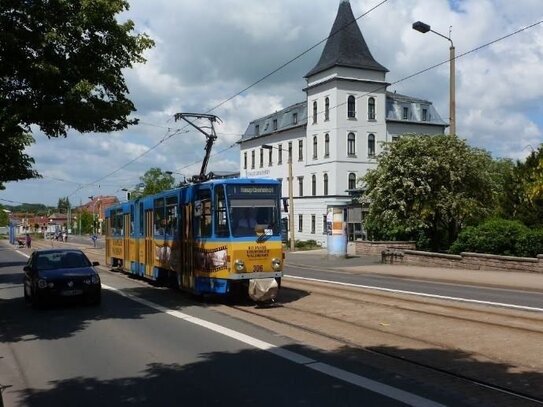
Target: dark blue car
[(57, 274)]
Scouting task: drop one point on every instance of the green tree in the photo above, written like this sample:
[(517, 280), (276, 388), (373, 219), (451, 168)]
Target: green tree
[(62, 67), (4, 217), (521, 196), (154, 181), (63, 205), (86, 221), (427, 188)]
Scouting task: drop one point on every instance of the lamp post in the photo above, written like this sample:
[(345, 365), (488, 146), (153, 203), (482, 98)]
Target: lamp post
[(93, 214), (290, 195), (424, 28)]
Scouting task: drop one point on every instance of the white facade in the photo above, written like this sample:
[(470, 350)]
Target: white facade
[(334, 135)]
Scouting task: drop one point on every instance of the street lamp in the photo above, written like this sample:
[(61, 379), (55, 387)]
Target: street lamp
[(178, 173), (290, 194), (424, 28)]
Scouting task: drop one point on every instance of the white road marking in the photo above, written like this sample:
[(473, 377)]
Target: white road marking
[(441, 297), (337, 373)]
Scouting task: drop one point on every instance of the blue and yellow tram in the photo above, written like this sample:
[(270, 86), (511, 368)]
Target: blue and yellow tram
[(199, 236)]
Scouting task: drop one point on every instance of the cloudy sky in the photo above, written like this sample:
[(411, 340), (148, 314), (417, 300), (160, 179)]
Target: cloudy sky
[(208, 51)]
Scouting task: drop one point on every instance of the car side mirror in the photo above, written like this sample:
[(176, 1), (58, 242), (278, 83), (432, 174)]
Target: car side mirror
[(95, 263), (27, 268)]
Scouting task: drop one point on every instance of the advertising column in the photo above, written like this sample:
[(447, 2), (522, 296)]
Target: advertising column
[(336, 231)]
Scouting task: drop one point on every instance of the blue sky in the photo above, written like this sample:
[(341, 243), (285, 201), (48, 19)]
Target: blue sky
[(208, 51)]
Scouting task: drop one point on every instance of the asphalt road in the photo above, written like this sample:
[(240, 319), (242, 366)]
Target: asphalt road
[(151, 346)]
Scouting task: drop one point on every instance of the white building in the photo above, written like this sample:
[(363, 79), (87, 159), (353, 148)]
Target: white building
[(334, 135)]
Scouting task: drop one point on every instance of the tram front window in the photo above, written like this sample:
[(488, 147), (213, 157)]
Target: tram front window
[(253, 209), (253, 217)]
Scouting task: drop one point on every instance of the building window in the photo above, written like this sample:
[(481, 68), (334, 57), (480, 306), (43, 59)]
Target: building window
[(405, 113), (300, 150), (253, 159), (325, 184), (270, 157), (245, 160), (326, 109), (313, 185), (371, 109), (324, 224), (300, 223), (351, 107), (294, 118), (290, 151), (314, 146), (257, 129), (300, 186), (351, 144), (352, 180), (327, 145), (275, 124), (424, 115), (371, 145), (280, 154), (314, 112), (313, 224), (261, 157)]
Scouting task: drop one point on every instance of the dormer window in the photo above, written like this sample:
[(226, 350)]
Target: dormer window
[(294, 118), (257, 129), (424, 115), (274, 124), (405, 113)]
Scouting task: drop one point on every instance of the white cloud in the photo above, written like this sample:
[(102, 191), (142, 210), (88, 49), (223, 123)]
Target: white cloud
[(207, 52)]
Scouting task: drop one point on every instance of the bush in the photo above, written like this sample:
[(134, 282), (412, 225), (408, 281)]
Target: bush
[(497, 236), (306, 244), (530, 244)]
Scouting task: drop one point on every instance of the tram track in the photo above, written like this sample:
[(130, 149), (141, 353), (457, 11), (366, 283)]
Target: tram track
[(509, 319), (402, 359), (336, 326)]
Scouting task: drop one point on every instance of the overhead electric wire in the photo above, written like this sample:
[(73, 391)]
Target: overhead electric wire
[(241, 91), (165, 138)]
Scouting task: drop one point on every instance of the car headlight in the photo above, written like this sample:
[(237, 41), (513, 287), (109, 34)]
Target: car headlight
[(276, 264), (42, 283), (95, 279), (240, 265)]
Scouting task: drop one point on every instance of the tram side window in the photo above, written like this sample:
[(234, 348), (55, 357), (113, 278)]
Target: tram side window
[(159, 218), (117, 222), (221, 218), (202, 215), (171, 216), (141, 218), (132, 221)]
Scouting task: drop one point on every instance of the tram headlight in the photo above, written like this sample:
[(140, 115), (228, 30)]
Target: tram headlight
[(276, 264), (240, 265)]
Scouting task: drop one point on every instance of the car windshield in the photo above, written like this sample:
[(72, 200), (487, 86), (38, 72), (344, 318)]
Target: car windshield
[(61, 259)]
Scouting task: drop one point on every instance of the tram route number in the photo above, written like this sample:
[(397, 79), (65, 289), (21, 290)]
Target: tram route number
[(258, 268)]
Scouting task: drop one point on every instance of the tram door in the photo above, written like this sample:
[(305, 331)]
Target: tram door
[(187, 258), (149, 252), (126, 242)]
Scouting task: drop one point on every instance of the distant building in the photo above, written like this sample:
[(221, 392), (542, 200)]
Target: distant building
[(97, 207), (334, 135)]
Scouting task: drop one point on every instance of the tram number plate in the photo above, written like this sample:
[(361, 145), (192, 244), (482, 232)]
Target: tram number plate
[(258, 268)]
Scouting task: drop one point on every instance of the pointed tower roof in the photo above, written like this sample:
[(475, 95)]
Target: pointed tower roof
[(346, 45)]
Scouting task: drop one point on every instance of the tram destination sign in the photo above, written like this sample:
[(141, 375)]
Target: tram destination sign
[(255, 190)]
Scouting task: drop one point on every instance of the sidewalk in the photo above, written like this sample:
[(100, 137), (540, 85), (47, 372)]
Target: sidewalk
[(371, 265)]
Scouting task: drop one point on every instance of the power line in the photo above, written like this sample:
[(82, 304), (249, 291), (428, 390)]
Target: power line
[(241, 91)]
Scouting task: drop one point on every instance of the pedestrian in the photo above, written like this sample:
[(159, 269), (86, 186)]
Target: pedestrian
[(28, 241), (64, 236), (94, 237)]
